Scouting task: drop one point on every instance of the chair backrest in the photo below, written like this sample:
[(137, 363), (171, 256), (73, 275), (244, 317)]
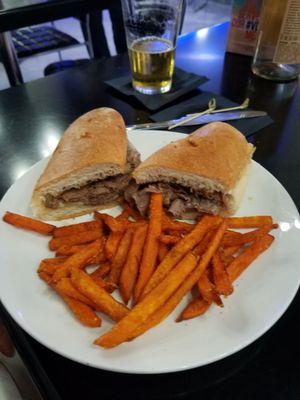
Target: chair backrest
[(38, 39)]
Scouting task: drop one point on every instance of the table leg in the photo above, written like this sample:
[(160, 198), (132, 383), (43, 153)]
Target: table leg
[(87, 31), (94, 34), (10, 59)]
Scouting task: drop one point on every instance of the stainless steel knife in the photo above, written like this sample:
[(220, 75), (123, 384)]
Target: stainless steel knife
[(204, 119)]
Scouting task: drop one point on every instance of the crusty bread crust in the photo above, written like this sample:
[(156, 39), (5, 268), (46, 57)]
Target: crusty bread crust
[(233, 198), (69, 210), (97, 139), (215, 155)]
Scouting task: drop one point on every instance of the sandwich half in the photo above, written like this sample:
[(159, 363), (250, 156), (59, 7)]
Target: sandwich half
[(206, 172), (89, 169)]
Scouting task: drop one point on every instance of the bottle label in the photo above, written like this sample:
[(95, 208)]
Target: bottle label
[(244, 26), (288, 46)]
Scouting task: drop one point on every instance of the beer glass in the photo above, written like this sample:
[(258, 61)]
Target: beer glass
[(151, 32)]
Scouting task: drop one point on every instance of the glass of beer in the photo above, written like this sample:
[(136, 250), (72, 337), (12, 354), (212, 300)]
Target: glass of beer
[(152, 28)]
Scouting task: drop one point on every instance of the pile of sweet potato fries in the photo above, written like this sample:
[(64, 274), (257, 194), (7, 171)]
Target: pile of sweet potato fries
[(152, 262)]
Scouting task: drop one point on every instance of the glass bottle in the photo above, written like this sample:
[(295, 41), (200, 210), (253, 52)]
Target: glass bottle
[(277, 54)]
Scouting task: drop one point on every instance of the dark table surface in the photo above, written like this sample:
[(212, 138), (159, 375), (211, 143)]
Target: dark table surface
[(34, 115), (15, 14)]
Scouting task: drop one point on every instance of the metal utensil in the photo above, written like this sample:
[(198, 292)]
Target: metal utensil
[(212, 109), (212, 104), (204, 119)]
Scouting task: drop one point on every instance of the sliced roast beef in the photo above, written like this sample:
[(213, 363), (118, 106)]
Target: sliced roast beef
[(142, 199), (74, 195), (177, 199), (51, 201), (177, 207), (131, 189), (133, 156), (98, 192)]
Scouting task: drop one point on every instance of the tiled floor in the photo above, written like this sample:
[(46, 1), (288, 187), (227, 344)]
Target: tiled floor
[(33, 67)]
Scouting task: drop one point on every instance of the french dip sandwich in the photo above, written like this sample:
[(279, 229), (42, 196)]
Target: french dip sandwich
[(206, 172), (89, 169)]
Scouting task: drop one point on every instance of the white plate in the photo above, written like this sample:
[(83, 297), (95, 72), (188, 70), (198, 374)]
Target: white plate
[(261, 295)]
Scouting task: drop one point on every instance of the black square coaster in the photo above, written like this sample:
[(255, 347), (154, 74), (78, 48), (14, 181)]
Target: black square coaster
[(183, 82)]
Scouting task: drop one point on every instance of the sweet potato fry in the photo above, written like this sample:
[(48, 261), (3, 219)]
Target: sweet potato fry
[(169, 239), (65, 287), (207, 290), (74, 229), (51, 265), (99, 258), (240, 263), (230, 237), (54, 260), (249, 222), (246, 237), (181, 249), (132, 213), (44, 276), (228, 261), (78, 260), (109, 286), (220, 276), (125, 214), (130, 270), (104, 301), (114, 224), (66, 250), (106, 285), (169, 224), (150, 251), (102, 271), (175, 233), (80, 238), (196, 307), (162, 251), (30, 224), (112, 244), (70, 250), (123, 330), (228, 252), (202, 246), (183, 289), (120, 257), (85, 314), (62, 271)]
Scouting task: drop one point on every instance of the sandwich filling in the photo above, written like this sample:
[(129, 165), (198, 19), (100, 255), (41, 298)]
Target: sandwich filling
[(100, 191), (177, 199)]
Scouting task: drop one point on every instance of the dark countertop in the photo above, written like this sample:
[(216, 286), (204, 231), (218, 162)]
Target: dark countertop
[(32, 114)]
